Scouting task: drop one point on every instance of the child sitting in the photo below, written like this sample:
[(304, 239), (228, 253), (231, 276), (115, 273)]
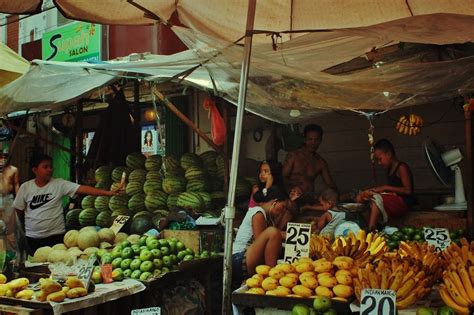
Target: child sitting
[(395, 198), (327, 223)]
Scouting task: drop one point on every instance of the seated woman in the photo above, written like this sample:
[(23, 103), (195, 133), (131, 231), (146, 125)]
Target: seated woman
[(394, 199), (257, 241)]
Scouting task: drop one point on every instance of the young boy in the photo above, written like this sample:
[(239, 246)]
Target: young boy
[(327, 223), (395, 198), (39, 201)]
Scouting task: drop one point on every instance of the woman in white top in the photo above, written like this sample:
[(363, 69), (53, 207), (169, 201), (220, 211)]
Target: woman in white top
[(257, 241)]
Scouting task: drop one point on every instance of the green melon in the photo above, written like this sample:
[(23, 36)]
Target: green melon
[(207, 200), (161, 212), (153, 185), (195, 173), (134, 188), (141, 225), (216, 183), (200, 184), (135, 160), (218, 199), (104, 184), (142, 214), (88, 202), (156, 200), (154, 175), (126, 212), (190, 201), (87, 216), (118, 202), (103, 173), (172, 200), (153, 163), (211, 170), (174, 184), (118, 171), (137, 203), (208, 157), (138, 175), (104, 219), (72, 217), (170, 164), (102, 203), (115, 186), (188, 160)]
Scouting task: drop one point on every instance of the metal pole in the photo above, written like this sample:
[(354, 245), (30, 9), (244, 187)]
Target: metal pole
[(230, 208)]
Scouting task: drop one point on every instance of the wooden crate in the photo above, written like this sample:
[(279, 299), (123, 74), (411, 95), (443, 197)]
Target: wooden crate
[(199, 240), (189, 238)]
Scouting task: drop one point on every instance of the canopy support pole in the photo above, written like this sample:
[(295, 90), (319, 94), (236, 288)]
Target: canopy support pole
[(230, 207), (469, 181)]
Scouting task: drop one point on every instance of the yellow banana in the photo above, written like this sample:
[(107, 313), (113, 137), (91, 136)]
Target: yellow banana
[(368, 239), (384, 279), (458, 283), (454, 293), (404, 303), (397, 280), (466, 282), (405, 288), (361, 235), (412, 120), (449, 301), (373, 280)]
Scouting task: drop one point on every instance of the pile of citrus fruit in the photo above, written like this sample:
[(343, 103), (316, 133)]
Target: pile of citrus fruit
[(321, 305)]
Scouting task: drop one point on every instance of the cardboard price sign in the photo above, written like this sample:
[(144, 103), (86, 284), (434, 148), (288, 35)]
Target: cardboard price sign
[(297, 241), (85, 268), (437, 237), (375, 302), (147, 311), (119, 222)]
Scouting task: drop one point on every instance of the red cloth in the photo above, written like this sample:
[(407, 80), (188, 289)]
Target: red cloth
[(394, 205)]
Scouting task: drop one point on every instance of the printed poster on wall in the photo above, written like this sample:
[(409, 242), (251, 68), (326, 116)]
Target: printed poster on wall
[(151, 141)]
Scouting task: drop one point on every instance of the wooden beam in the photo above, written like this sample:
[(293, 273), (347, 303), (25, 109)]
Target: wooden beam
[(187, 121)]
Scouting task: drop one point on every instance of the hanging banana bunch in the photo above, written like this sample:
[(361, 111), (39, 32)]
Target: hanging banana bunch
[(409, 125)]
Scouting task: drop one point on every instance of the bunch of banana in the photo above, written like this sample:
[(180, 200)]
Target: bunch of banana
[(318, 245), (430, 259), (458, 279), (407, 279), (409, 125)]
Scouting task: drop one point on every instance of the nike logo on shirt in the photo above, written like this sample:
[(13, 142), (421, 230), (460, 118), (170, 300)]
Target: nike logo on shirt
[(39, 201)]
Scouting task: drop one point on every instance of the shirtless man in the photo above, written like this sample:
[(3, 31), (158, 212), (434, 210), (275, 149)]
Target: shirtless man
[(303, 166)]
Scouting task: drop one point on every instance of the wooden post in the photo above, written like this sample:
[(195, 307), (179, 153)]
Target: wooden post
[(187, 121), (469, 178)]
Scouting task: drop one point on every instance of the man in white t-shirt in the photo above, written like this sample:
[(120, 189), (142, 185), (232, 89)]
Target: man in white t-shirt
[(39, 201)]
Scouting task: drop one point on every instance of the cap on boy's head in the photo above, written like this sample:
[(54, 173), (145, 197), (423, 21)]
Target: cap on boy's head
[(385, 146), (273, 193), (313, 127), (36, 159), (330, 195)]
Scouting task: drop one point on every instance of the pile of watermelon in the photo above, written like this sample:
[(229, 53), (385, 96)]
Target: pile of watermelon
[(155, 185)]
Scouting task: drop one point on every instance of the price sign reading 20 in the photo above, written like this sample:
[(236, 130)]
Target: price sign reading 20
[(297, 241)]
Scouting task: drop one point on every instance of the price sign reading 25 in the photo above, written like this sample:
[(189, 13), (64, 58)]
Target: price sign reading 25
[(297, 241), (437, 237)]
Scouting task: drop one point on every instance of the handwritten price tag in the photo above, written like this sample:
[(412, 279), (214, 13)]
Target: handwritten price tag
[(119, 222), (297, 241), (376, 302), (147, 311), (437, 237), (84, 270)]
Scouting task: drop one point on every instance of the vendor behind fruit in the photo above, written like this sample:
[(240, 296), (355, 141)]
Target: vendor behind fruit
[(39, 201), (394, 199)]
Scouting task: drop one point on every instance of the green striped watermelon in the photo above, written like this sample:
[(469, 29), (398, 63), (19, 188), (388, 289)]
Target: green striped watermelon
[(155, 201), (102, 203), (115, 186), (142, 214), (105, 184), (174, 184), (87, 216), (216, 184), (135, 160), (194, 173), (211, 170), (134, 188), (200, 184), (153, 163), (88, 202), (137, 203), (190, 201), (172, 201), (121, 212), (209, 157), (170, 164), (188, 160), (207, 200), (163, 213), (118, 171), (153, 185), (72, 218), (141, 225), (118, 202), (218, 199), (103, 173), (104, 219), (154, 175), (138, 175)]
